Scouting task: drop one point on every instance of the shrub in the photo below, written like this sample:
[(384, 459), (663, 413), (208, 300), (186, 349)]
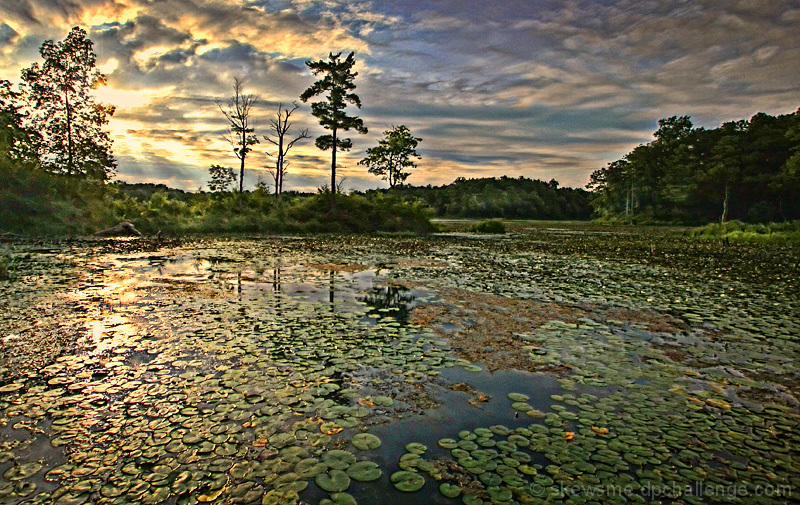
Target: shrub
[(490, 226)]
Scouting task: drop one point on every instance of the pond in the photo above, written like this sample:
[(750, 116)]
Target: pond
[(526, 368)]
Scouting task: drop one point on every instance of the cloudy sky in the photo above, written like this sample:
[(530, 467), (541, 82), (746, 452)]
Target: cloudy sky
[(540, 88)]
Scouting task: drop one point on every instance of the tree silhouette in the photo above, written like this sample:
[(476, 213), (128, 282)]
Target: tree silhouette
[(338, 83), (393, 155), (237, 112), (281, 126), (64, 112)]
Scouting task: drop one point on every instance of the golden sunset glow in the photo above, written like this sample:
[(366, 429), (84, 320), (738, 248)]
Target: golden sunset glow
[(519, 88)]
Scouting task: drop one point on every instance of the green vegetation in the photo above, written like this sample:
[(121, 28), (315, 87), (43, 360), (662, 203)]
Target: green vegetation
[(745, 170), (63, 111), (490, 226), (736, 231), (259, 212), (337, 82), (503, 197), (393, 155)]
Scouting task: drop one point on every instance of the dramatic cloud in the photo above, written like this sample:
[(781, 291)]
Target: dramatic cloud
[(545, 89)]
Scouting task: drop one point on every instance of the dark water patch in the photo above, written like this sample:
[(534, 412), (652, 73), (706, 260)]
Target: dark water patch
[(454, 414)]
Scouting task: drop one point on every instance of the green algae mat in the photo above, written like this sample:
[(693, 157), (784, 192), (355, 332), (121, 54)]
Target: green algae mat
[(544, 366)]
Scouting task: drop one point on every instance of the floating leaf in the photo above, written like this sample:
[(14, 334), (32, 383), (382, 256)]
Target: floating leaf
[(407, 481), (449, 490), (364, 471), (518, 397), (416, 448), (333, 480), (23, 471), (366, 441)]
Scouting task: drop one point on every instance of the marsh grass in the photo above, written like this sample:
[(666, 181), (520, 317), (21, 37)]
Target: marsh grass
[(490, 226), (6, 267), (737, 231)]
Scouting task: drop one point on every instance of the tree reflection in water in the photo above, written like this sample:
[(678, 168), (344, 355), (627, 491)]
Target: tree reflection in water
[(396, 299)]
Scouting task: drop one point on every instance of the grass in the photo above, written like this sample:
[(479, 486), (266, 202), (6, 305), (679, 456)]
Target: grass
[(490, 226), (6, 267), (737, 231)]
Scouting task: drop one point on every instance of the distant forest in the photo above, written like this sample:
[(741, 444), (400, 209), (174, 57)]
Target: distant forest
[(504, 197), (489, 197), (743, 170)]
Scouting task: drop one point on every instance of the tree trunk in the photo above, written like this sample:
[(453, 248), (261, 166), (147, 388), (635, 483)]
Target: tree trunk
[(725, 205), (277, 178), (241, 170), (279, 189), (70, 167), (333, 174)]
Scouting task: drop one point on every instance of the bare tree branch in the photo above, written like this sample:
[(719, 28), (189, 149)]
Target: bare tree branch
[(237, 112), (279, 127)]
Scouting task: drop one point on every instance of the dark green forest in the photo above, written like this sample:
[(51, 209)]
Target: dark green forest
[(503, 197), (747, 170)]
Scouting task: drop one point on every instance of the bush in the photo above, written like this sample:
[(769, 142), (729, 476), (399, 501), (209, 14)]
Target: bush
[(490, 226), (6, 267), (737, 231)]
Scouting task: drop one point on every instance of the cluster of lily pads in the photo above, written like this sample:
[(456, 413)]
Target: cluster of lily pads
[(222, 372), (626, 447), (210, 398)]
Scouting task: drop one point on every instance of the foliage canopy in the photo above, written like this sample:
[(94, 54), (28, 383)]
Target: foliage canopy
[(338, 82), (745, 170), (393, 155), (65, 113)]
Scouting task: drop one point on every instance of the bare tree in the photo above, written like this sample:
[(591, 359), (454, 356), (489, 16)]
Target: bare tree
[(280, 127), (237, 112)]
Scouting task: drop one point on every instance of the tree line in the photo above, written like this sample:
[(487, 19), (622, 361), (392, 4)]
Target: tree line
[(747, 170), (503, 197)]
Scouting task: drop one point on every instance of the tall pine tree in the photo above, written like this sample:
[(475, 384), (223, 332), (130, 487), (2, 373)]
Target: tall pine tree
[(338, 83)]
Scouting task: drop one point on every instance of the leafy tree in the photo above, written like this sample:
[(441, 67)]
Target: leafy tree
[(280, 127), (393, 155), (18, 144), (222, 178), (64, 112), (338, 83), (726, 161), (742, 170), (237, 112)]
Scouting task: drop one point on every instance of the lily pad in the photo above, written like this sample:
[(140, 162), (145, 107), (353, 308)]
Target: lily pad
[(364, 471), (366, 441), (333, 481), (23, 471), (416, 448), (407, 481), (449, 490), (338, 459)]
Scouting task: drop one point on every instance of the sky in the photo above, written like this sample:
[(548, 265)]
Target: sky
[(542, 89)]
